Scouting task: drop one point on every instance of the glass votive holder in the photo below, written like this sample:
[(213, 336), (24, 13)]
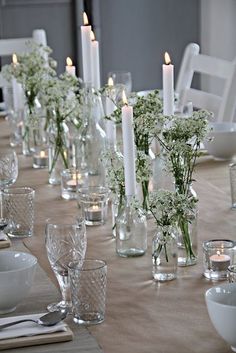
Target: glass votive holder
[(93, 201), (71, 180), (232, 273), (218, 255), (40, 158)]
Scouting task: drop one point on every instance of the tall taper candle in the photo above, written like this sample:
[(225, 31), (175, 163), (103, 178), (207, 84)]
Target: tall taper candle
[(18, 93), (168, 86), (110, 107), (86, 50), (70, 68), (95, 62), (128, 148)]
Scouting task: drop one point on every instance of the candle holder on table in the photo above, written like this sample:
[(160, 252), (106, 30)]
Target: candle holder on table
[(218, 255), (93, 202), (71, 180), (232, 273), (40, 158)]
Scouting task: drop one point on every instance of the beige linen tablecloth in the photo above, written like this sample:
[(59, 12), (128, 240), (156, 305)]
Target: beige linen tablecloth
[(143, 316)]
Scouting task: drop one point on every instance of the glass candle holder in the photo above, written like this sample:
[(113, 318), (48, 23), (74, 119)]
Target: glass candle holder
[(40, 158), (218, 255), (232, 273), (93, 202), (71, 180)]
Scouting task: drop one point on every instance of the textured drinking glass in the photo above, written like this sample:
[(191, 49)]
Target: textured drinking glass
[(65, 244), (88, 291), (232, 273), (8, 176), (18, 205), (218, 255), (232, 176), (93, 201)]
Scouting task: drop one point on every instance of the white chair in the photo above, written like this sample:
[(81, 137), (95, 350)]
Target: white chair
[(223, 106), (18, 45)]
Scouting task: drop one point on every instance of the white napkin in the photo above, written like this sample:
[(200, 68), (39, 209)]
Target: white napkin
[(27, 328)]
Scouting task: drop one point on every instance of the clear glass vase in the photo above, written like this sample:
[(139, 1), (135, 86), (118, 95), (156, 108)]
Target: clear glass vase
[(164, 254), (187, 238), (34, 133), (131, 230), (58, 153)]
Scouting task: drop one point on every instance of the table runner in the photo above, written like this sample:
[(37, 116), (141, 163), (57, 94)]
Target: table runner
[(143, 316)]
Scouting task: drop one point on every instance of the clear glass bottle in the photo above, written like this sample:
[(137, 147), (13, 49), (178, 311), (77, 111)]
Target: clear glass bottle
[(92, 141), (164, 254), (131, 230)]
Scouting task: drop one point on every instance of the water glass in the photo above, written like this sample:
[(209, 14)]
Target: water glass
[(88, 291), (18, 205), (122, 81), (66, 244)]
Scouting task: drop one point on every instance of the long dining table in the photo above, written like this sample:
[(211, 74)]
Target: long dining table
[(142, 316)]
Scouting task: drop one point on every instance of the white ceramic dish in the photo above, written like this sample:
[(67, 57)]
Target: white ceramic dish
[(221, 305), (222, 144), (17, 271)]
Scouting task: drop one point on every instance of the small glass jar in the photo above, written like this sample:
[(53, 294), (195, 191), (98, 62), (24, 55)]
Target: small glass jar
[(71, 180), (93, 201), (164, 254), (131, 230), (218, 255)]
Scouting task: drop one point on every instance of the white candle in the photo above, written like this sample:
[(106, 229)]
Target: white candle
[(128, 148), (168, 86), (110, 125), (18, 93), (70, 69), (95, 62), (219, 261), (40, 160), (86, 49)]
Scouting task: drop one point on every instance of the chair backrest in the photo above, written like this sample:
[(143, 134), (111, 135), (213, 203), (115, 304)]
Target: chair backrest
[(18, 45), (223, 106)]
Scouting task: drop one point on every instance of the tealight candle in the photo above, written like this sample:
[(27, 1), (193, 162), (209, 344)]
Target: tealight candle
[(71, 179), (94, 213), (40, 159), (219, 261)]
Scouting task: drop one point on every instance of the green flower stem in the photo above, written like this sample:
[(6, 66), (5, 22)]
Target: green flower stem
[(184, 227)]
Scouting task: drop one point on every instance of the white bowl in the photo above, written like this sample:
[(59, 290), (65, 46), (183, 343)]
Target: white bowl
[(223, 140), (17, 271), (221, 305)]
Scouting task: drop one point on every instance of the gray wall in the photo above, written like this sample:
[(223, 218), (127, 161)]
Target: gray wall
[(18, 18), (136, 33)]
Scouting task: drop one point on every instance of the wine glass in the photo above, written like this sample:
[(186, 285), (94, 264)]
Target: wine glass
[(65, 244), (122, 81), (8, 176)]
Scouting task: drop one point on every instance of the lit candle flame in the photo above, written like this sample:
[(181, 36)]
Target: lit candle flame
[(69, 61), (110, 82), (218, 252), (85, 18), (124, 98), (95, 207), (92, 36), (14, 59), (167, 58), (42, 154)]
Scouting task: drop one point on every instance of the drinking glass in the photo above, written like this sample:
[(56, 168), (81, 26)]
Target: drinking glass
[(8, 176), (122, 81), (65, 244)]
